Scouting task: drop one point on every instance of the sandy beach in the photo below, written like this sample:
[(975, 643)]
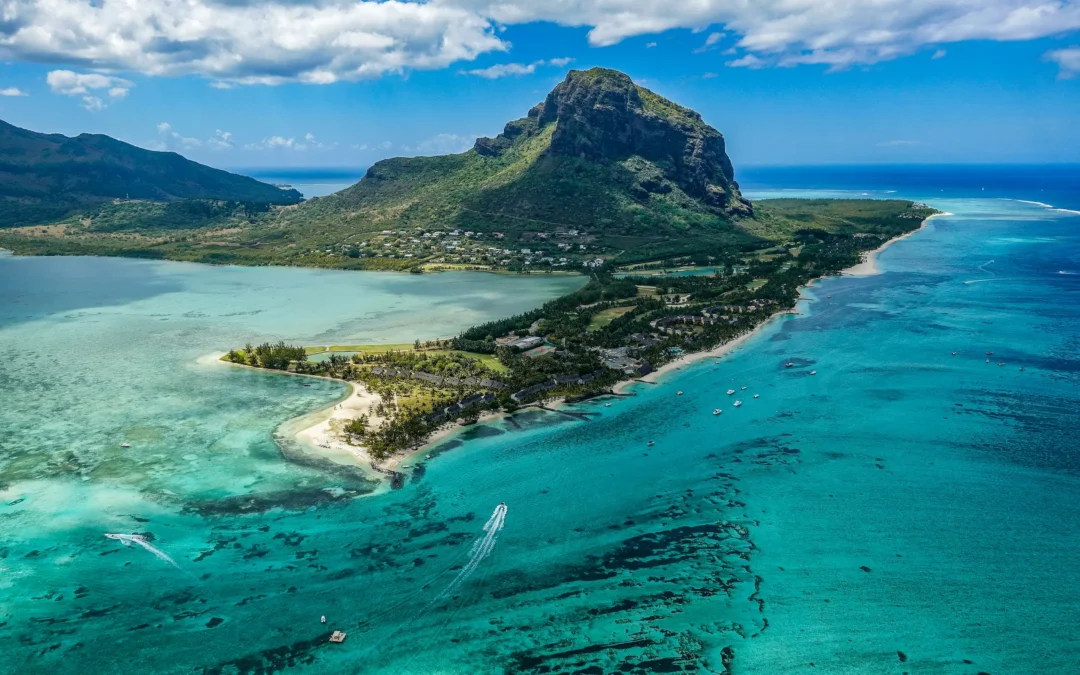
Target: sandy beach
[(320, 432), (868, 267)]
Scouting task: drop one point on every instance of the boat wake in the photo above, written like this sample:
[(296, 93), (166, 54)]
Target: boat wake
[(481, 548), (129, 539)]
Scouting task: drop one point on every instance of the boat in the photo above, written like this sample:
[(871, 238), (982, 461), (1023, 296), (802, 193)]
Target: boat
[(738, 403), (954, 353), (337, 636), (989, 353), (730, 392), (716, 411), (125, 445), (742, 388), (650, 444), (502, 504), (788, 364), (756, 395), (679, 394), (607, 405), (813, 372), (988, 360), (1000, 364)]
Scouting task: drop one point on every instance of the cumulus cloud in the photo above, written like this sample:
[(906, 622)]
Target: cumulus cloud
[(13, 91), (510, 69), (308, 142), (247, 41), (234, 42), (70, 83), (169, 139), (1068, 60), (839, 33)]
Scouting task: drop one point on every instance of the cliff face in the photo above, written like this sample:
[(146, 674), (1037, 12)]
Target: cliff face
[(601, 116)]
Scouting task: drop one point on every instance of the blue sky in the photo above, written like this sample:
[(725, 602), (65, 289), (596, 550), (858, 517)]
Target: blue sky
[(931, 81)]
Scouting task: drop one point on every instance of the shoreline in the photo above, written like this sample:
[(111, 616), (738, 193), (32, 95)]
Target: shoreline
[(868, 266), (319, 437)]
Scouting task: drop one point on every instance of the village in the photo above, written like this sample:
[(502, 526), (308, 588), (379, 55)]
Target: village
[(432, 248)]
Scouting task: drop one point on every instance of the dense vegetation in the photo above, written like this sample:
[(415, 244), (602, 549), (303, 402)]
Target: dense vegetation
[(622, 323)]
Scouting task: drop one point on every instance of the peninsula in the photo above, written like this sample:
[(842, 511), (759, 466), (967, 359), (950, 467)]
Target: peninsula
[(603, 178)]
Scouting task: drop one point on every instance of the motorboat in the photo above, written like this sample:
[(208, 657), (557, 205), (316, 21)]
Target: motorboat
[(650, 444), (679, 394), (125, 445), (789, 364), (813, 372), (738, 403), (742, 388), (730, 392), (716, 411), (756, 395)]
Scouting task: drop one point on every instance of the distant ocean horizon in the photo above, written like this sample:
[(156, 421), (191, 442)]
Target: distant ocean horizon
[(1056, 184)]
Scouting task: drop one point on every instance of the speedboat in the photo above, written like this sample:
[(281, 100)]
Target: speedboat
[(716, 411), (1000, 364), (730, 392), (813, 372), (607, 405), (125, 445), (650, 444), (755, 395), (788, 364), (679, 394), (738, 403), (954, 353), (742, 388)]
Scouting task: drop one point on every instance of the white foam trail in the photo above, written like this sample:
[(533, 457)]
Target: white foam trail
[(1066, 272), (128, 539), (480, 549), (1028, 201)]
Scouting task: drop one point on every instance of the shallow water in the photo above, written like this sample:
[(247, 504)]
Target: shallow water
[(902, 510)]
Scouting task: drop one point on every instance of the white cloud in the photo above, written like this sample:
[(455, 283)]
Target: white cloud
[(320, 41), (710, 43), (247, 41), (650, 45), (748, 61), (939, 54), (308, 142), (838, 33), (511, 69), (709, 76), (168, 139), (221, 140), (70, 83), (1068, 60), (13, 91), (442, 144)]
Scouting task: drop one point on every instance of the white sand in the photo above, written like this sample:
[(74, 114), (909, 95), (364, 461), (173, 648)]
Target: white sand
[(868, 267)]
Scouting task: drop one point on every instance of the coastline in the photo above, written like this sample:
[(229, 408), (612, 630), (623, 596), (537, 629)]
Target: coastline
[(868, 266), (320, 436)]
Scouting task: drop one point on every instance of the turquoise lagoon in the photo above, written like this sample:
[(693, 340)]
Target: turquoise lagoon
[(903, 510)]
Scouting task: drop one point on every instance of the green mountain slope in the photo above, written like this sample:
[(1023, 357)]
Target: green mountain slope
[(44, 177), (599, 153)]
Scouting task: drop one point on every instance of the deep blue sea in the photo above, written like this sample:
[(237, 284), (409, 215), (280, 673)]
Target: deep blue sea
[(913, 507)]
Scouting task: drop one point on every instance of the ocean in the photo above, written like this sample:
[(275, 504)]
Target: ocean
[(884, 506)]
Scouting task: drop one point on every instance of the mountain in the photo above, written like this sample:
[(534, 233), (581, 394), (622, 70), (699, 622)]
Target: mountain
[(599, 153), (44, 177)]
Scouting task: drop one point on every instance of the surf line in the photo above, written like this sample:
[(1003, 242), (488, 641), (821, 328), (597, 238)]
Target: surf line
[(129, 539), (481, 548)]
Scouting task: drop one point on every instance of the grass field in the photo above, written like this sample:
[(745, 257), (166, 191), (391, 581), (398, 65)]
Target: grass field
[(606, 316)]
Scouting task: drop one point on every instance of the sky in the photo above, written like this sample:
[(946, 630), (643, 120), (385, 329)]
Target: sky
[(247, 84)]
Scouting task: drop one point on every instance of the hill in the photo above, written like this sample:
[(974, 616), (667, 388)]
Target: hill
[(601, 170), (45, 177), (599, 153)]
